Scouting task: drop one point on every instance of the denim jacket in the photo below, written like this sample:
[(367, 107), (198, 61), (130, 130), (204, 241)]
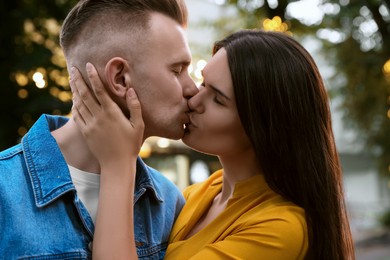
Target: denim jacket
[(41, 216)]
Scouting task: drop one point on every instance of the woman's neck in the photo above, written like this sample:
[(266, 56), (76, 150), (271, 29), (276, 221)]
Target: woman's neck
[(236, 168)]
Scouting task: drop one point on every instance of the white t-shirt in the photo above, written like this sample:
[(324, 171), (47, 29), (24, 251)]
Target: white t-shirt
[(87, 186)]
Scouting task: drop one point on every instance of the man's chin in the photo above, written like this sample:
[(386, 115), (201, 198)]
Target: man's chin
[(177, 135)]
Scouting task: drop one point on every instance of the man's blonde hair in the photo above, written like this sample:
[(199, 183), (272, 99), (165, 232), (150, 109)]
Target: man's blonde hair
[(115, 14)]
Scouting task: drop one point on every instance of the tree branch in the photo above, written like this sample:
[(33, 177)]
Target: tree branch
[(382, 25)]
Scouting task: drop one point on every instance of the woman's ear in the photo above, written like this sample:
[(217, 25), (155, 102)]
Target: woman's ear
[(117, 72)]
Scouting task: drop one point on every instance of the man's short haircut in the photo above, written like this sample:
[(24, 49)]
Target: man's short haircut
[(128, 13)]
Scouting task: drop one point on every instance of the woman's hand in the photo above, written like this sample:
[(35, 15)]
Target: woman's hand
[(115, 141), (109, 134)]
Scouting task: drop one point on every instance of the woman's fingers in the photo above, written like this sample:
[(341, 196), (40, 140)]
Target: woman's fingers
[(83, 99), (78, 104), (134, 107), (107, 131), (98, 87), (88, 108)]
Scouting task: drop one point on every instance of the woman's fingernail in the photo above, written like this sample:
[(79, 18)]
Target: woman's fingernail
[(89, 66), (72, 73)]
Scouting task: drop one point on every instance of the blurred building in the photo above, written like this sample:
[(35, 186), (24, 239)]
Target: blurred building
[(177, 162)]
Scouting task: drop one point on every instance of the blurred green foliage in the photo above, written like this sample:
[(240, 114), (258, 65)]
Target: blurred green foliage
[(355, 36), (385, 219), (29, 43)]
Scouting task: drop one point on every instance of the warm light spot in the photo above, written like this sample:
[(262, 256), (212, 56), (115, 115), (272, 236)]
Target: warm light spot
[(146, 150), (54, 91), (21, 79), (58, 57), (22, 131), (60, 77), (386, 67), (388, 113), (54, 74), (41, 70), (163, 143), (38, 79), (28, 26), (50, 44), (37, 37), (52, 26), (37, 76), (62, 81), (275, 24), (40, 84), (22, 93), (65, 96)]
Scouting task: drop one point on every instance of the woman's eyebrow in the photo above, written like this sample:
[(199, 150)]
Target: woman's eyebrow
[(215, 89), (218, 91)]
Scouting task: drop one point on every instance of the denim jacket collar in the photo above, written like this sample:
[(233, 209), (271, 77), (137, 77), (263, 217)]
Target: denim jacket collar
[(145, 183), (41, 152), (48, 182)]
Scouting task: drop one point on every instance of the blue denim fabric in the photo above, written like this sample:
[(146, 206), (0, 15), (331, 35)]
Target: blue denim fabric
[(41, 216)]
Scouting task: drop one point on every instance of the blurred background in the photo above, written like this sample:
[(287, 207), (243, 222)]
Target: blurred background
[(349, 39)]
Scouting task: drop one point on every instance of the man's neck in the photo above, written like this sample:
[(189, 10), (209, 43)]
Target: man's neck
[(74, 148)]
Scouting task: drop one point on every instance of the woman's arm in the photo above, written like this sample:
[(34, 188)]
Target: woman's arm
[(115, 141)]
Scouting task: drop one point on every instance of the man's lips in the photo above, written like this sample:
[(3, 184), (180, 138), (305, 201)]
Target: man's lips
[(189, 124)]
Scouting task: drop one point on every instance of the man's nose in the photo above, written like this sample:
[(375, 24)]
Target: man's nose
[(195, 103), (189, 87)]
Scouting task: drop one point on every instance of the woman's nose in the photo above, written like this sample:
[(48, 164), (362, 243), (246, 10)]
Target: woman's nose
[(195, 102)]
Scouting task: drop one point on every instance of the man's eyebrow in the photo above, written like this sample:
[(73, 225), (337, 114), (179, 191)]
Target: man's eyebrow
[(181, 63)]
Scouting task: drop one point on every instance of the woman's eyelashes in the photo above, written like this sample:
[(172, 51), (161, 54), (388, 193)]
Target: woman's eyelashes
[(217, 99)]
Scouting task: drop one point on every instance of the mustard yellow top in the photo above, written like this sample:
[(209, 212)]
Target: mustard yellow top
[(256, 224)]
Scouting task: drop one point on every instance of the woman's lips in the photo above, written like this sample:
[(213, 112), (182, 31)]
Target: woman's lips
[(188, 126)]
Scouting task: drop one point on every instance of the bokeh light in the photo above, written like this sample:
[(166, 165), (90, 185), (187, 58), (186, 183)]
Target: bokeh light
[(39, 80), (275, 24)]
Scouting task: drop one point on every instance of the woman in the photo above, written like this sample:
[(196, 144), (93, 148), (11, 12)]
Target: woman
[(263, 110)]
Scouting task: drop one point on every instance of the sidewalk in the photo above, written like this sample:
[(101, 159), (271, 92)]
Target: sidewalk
[(373, 252), (373, 245)]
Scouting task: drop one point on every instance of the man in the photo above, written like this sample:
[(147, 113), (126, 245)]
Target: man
[(49, 183)]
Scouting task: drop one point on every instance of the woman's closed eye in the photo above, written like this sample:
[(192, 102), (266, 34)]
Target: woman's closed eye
[(218, 100), (217, 97)]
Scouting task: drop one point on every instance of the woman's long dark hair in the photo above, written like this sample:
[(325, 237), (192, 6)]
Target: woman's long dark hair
[(283, 106)]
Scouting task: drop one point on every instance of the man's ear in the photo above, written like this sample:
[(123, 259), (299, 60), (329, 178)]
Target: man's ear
[(117, 72)]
